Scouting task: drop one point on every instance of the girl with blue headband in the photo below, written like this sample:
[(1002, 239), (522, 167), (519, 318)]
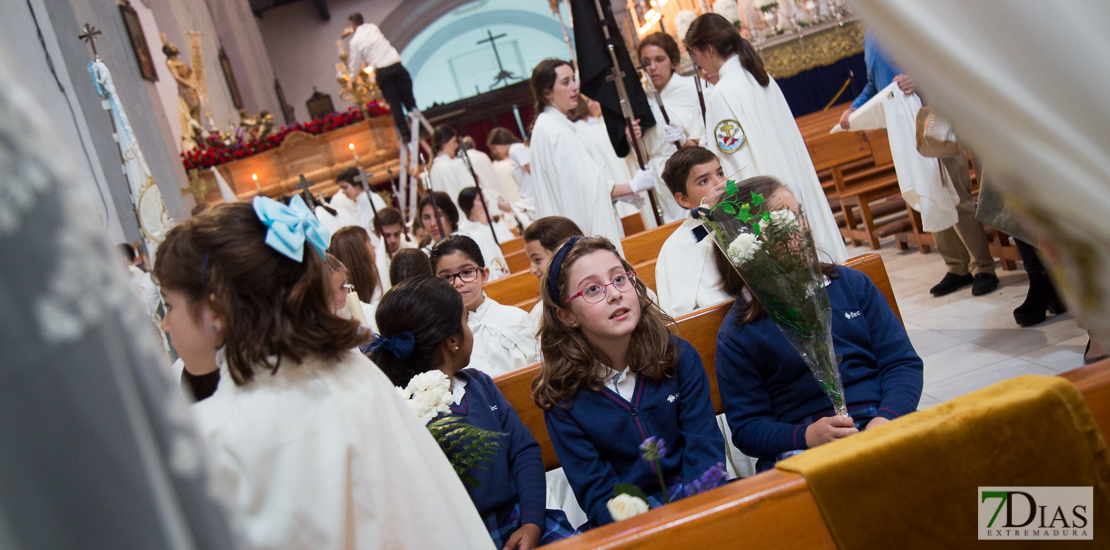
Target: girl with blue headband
[(308, 441), (424, 328), (614, 376)]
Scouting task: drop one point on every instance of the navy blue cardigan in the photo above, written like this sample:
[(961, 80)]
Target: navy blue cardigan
[(516, 472), (768, 391), (598, 437)]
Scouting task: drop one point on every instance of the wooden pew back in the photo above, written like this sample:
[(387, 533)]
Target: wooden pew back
[(514, 289), (632, 224), (512, 245), (837, 149), (645, 246), (517, 262)]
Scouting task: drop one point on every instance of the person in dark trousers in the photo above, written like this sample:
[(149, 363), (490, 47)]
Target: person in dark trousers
[(369, 48)]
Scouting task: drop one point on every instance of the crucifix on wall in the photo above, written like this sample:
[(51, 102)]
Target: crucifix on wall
[(502, 74)]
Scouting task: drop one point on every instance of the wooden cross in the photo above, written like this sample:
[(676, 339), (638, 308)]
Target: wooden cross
[(304, 187), (502, 74), (89, 35)]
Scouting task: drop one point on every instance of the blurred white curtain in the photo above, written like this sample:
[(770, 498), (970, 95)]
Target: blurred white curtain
[(1025, 83)]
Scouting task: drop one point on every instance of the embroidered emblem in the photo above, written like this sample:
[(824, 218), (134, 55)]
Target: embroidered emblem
[(729, 135), (672, 397), (852, 314), (493, 407)]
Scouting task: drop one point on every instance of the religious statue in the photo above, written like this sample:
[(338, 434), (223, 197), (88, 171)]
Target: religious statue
[(359, 88), (252, 128), (188, 100)]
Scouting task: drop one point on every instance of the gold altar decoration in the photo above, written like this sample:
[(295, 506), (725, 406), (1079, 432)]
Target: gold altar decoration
[(359, 88), (824, 44), (276, 172)]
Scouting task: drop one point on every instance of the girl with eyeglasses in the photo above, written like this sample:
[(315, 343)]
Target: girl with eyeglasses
[(504, 336), (613, 375)]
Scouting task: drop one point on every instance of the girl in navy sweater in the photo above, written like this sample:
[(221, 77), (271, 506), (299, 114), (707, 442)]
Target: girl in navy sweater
[(773, 403), (613, 376), (423, 324)]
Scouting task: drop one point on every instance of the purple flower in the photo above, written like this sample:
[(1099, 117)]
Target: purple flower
[(653, 449), (712, 478)]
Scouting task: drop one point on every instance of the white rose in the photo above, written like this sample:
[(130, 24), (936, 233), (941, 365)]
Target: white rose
[(743, 248), (785, 219), (427, 380), (624, 506), (727, 9)]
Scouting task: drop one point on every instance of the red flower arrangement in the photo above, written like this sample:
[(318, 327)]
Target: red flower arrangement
[(215, 149)]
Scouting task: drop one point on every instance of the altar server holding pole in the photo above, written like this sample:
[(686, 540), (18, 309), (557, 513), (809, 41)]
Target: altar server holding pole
[(567, 181), (752, 128)]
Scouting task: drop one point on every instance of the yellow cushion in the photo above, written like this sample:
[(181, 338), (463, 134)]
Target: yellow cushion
[(913, 483)]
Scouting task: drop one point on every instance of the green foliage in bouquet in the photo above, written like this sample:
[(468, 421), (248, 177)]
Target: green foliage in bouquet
[(466, 446), (773, 250)]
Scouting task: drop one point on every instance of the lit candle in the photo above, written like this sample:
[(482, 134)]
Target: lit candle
[(351, 146), (254, 177)]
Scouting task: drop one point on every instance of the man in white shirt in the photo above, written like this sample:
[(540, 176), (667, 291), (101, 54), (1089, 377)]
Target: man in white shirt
[(369, 48)]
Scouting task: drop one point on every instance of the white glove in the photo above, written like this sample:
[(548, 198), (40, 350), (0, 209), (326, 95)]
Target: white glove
[(703, 142), (635, 200), (672, 133), (642, 181)]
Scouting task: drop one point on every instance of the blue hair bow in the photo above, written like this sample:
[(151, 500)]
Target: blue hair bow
[(400, 345), (290, 226), (555, 265)]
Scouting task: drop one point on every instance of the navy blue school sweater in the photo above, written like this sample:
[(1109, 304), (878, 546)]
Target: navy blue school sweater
[(516, 472), (768, 391), (598, 437)]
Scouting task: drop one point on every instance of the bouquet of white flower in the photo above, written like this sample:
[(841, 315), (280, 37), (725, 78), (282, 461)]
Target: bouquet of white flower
[(428, 394), (772, 248)]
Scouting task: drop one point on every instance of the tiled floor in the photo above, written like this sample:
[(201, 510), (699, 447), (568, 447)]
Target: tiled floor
[(968, 342)]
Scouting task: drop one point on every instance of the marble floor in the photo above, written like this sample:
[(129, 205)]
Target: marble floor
[(968, 342)]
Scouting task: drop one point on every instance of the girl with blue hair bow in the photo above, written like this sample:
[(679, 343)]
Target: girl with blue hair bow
[(308, 440)]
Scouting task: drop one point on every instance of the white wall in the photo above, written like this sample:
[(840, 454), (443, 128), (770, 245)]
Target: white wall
[(302, 47)]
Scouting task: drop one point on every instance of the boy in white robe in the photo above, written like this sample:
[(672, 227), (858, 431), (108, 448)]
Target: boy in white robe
[(686, 274), (448, 174), (351, 187), (391, 240), (474, 215)]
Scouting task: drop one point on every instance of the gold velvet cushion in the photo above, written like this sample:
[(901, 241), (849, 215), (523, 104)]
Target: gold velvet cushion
[(913, 483)]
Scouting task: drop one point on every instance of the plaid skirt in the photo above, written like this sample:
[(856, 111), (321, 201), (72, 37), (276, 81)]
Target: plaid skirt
[(504, 522), (861, 414)]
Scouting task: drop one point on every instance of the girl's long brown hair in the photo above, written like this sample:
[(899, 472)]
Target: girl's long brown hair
[(711, 29), (569, 359), (273, 308), (349, 245)]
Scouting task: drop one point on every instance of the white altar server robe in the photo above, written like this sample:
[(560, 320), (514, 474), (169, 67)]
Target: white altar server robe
[(365, 213), (504, 338), (567, 182), (686, 275), (491, 252), (595, 137), (325, 455), (680, 98), (659, 150), (450, 176), (773, 146)]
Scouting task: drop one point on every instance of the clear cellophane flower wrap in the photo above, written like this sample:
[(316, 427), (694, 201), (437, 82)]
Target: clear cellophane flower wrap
[(772, 248)]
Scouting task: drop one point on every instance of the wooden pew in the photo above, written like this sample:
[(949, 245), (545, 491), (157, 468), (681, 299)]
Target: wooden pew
[(644, 247), (646, 273), (699, 328), (512, 245), (772, 510), (514, 289), (517, 261), (857, 191), (632, 224)]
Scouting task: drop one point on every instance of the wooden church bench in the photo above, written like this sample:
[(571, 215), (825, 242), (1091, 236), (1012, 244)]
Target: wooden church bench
[(514, 289), (644, 247), (698, 327), (517, 262), (632, 225), (512, 245)]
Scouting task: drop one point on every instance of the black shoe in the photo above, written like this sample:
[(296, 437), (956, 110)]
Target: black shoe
[(984, 283), (1089, 360), (950, 283), (1040, 299)]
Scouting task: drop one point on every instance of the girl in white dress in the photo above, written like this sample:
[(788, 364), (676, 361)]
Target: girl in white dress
[(751, 126), (309, 443), (351, 245), (504, 336), (449, 220), (567, 181), (507, 147), (448, 173)]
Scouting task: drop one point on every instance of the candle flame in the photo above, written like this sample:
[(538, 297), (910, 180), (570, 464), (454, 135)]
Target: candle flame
[(254, 177)]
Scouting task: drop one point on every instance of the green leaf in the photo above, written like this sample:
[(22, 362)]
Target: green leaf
[(756, 229), (757, 199), (767, 216), (728, 208), (629, 489), (745, 213), (731, 188)]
